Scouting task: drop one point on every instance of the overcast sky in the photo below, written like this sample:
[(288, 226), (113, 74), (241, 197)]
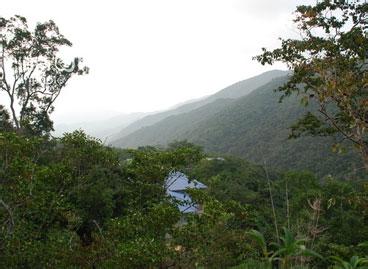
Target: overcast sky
[(147, 55)]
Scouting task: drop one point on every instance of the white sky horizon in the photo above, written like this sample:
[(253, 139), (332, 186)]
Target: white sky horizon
[(149, 55)]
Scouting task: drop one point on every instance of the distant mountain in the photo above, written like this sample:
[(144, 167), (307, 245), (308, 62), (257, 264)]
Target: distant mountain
[(172, 127), (234, 91), (103, 129), (254, 127)]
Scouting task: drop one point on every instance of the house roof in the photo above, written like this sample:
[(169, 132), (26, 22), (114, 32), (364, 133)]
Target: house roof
[(178, 181), (185, 203), (176, 185)]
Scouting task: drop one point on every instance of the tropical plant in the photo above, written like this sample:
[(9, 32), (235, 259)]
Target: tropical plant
[(261, 241), (288, 253), (291, 250), (354, 263), (253, 264)]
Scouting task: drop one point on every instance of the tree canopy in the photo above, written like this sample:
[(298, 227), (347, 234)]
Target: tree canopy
[(330, 68), (32, 74), (73, 202)]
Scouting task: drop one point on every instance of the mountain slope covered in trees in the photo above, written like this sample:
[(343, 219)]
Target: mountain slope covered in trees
[(255, 127), (236, 90), (74, 202)]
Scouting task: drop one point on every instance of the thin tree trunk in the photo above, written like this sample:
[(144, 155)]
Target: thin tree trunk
[(272, 202), (10, 213), (14, 115), (365, 157), (287, 204), (9, 90)]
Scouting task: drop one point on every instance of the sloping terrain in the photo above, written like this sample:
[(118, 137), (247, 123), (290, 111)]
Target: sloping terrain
[(234, 91), (254, 127)]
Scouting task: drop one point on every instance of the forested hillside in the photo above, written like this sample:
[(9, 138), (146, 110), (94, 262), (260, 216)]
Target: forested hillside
[(236, 90), (255, 127), (215, 183)]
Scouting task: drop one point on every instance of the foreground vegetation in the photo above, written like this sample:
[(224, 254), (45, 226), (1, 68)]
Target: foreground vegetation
[(74, 203)]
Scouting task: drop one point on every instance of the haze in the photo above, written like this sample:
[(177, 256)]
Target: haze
[(150, 55)]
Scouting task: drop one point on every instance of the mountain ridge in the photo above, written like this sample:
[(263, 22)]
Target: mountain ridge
[(254, 127), (236, 90)]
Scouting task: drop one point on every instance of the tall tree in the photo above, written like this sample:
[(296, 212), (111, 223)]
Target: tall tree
[(330, 67), (31, 73)]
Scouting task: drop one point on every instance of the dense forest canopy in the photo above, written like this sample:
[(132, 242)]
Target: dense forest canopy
[(73, 202)]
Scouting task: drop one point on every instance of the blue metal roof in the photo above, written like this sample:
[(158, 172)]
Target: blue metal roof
[(176, 185), (178, 181)]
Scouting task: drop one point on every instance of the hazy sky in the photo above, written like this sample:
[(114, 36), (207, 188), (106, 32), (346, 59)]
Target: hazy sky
[(147, 55)]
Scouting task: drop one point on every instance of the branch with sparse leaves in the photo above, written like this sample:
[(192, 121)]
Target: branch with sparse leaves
[(32, 74), (329, 64)]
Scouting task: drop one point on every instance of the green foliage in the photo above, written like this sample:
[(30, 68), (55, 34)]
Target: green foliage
[(213, 239), (254, 127), (72, 202), (311, 125), (87, 205), (329, 64), (73, 199), (253, 264), (290, 249), (322, 212), (36, 75), (5, 123), (234, 91), (231, 178), (261, 241), (354, 263), (140, 238), (290, 252)]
